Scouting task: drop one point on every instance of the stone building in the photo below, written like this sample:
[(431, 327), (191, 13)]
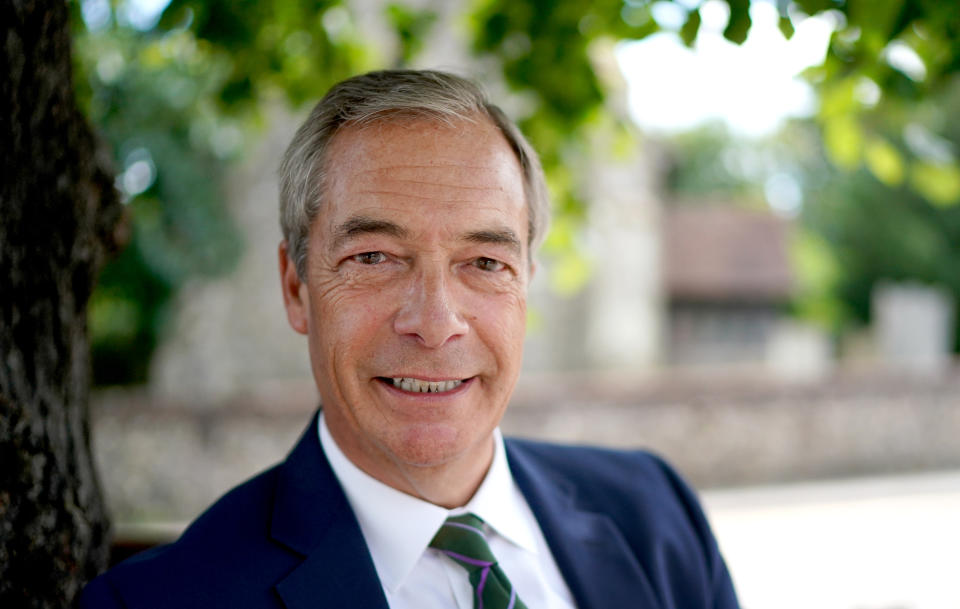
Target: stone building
[(728, 279)]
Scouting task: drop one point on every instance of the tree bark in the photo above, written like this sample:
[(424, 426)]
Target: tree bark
[(58, 217)]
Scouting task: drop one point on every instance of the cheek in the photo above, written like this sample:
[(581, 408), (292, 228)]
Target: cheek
[(503, 321), (348, 312)]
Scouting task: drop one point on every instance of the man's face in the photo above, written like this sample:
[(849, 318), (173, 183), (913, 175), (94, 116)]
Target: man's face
[(414, 302)]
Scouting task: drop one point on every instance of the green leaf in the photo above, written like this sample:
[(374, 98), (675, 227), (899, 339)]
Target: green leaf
[(877, 16), (884, 161), (786, 27), (844, 141), (569, 272), (739, 24), (939, 183), (688, 33), (838, 99), (817, 272), (412, 27), (812, 7)]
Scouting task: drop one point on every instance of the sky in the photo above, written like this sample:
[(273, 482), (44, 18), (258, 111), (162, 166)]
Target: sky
[(753, 87)]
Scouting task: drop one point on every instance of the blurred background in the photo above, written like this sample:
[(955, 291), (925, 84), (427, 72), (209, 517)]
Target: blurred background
[(753, 270)]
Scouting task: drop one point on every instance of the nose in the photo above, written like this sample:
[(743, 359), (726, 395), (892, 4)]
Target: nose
[(431, 313)]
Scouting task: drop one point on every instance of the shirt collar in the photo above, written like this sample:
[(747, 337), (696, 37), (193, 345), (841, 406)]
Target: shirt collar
[(499, 502), (398, 527)]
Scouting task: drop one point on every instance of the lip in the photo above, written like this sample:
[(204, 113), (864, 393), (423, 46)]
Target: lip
[(387, 384), (425, 377)]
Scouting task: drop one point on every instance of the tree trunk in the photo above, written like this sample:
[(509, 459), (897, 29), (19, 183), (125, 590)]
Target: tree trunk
[(58, 217)]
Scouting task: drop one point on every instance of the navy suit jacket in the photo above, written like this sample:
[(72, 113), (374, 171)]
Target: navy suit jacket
[(624, 530)]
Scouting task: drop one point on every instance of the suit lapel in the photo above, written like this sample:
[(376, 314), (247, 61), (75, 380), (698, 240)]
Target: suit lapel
[(312, 517), (591, 552)]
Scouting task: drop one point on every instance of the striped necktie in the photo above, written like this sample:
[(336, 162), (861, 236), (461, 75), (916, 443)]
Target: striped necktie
[(461, 538)]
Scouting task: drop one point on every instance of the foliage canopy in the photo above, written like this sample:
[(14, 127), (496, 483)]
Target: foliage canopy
[(178, 94)]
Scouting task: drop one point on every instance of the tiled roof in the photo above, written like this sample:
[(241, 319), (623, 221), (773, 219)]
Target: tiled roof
[(725, 253)]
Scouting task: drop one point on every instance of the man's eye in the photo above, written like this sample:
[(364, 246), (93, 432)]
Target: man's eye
[(370, 257), (488, 264)]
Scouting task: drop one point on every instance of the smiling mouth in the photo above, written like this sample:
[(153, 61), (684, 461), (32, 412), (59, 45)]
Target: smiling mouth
[(414, 385)]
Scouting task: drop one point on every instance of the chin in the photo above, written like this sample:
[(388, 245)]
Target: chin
[(430, 445)]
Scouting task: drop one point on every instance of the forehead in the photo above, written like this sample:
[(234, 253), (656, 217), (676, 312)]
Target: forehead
[(424, 167)]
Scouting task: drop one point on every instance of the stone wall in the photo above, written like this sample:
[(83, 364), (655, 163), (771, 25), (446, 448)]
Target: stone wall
[(743, 431), (165, 461)]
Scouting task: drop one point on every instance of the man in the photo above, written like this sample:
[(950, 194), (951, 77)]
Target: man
[(411, 207)]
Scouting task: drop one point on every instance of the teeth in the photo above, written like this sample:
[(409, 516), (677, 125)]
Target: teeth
[(418, 386)]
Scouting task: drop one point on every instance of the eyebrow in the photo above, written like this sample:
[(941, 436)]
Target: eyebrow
[(503, 236), (364, 225)]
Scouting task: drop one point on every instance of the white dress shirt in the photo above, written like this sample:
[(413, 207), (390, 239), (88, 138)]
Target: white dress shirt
[(398, 528)]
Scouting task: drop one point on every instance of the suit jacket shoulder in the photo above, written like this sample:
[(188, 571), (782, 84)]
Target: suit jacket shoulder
[(285, 538), (227, 544), (651, 537)]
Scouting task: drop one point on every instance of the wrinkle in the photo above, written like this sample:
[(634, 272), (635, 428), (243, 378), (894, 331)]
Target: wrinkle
[(406, 195), (450, 185)]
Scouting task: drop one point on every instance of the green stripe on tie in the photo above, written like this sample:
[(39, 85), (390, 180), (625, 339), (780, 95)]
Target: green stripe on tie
[(461, 539)]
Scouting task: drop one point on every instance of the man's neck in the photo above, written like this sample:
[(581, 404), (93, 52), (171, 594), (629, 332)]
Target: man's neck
[(449, 484)]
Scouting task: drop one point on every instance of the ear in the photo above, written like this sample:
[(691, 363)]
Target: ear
[(295, 298)]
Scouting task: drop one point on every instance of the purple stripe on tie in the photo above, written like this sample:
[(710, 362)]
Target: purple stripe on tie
[(513, 597), (467, 559), (483, 581), (463, 526)]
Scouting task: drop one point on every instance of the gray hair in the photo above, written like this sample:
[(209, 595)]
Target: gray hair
[(386, 95)]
